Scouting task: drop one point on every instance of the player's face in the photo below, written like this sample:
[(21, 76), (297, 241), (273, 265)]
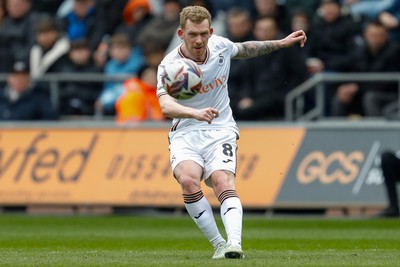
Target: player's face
[(195, 37)]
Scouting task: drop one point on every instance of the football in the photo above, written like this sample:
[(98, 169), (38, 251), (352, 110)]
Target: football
[(182, 78)]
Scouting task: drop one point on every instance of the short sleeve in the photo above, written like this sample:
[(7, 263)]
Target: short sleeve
[(231, 47)]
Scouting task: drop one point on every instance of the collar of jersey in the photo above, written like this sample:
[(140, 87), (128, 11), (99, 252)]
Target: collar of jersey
[(198, 62)]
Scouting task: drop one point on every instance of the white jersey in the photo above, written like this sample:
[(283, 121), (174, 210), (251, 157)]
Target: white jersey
[(214, 92)]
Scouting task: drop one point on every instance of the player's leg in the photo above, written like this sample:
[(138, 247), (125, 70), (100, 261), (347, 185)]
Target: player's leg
[(220, 166), (223, 183), (188, 173)]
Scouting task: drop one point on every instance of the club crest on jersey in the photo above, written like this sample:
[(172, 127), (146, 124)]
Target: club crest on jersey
[(221, 60)]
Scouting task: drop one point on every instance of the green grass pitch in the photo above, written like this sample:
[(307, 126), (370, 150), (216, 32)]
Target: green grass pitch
[(176, 241)]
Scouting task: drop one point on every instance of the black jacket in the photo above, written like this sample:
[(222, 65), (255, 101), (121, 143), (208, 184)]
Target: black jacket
[(33, 105), (387, 59), (333, 42), (19, 35)]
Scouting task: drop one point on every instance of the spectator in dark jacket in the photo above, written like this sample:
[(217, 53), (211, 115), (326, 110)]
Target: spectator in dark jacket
[(239, 29), (78, 98), (19, 29), (377, 54), (19, 101), (5, 57), (272, 77), (332, 39)]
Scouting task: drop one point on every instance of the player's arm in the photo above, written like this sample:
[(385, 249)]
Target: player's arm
[(172, 109), (258, 48)]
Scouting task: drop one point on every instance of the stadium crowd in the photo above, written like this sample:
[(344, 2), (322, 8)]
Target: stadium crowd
[(130, 37)]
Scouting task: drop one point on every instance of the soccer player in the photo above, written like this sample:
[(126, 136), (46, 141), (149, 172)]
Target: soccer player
[(203, 135)]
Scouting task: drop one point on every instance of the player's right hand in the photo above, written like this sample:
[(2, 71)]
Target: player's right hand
[(206, 114)]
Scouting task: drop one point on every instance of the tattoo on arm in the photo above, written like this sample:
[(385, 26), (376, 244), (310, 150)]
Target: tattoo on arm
[(256, 48)]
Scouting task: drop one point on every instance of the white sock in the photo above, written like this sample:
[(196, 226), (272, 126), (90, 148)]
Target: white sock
[(201, 212), (232, 215)]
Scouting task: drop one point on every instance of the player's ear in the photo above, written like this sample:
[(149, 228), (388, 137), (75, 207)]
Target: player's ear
[(211, 30), (180, 33)]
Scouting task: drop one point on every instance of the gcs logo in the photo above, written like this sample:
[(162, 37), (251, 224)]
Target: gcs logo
[(316, 166)]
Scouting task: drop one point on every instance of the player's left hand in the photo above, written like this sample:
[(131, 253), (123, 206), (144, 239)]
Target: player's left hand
[(294, 38)]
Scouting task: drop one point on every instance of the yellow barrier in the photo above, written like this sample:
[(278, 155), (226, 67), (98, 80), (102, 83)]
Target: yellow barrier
[(128, 166)]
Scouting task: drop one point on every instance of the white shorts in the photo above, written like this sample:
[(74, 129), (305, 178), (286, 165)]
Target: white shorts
[(211, 149)]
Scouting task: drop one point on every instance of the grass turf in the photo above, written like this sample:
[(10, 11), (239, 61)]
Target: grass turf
[(176, 241)]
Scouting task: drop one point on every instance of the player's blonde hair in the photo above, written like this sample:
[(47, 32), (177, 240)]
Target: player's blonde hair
[(196, 14)]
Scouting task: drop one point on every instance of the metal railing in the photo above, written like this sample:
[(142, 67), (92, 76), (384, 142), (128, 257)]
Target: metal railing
[(294, 102), (54, 80), (295, 99)]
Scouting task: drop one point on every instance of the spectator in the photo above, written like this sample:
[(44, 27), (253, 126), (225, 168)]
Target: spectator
[(162, 28), (390, 165), (78, 98), (239, 29), (270, 8), (139, 101), (18, 29), (19, 101), (124, 60), (5, 57), (81, 23), (272, 77), (332, 40), (239, 25), (50, 52), (377, 54), (109, 13), (136, 15)]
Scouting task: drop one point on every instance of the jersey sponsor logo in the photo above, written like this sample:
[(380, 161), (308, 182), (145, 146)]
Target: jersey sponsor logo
[(227, 160), (217, 83)]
